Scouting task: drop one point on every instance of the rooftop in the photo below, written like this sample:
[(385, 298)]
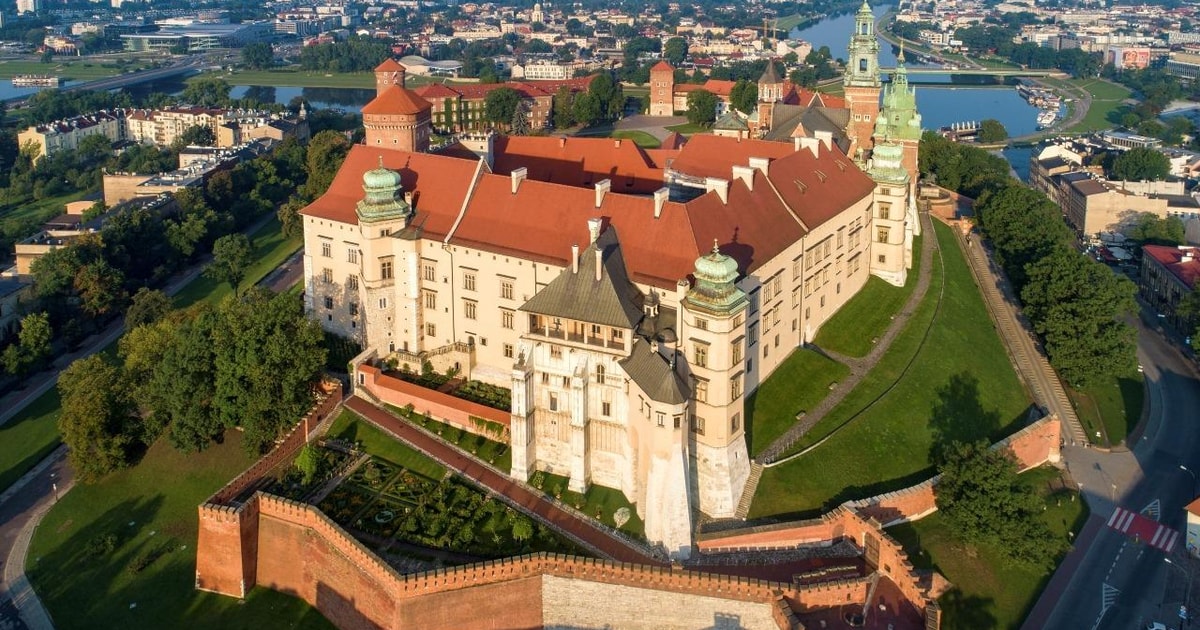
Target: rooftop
[(1180, 261)]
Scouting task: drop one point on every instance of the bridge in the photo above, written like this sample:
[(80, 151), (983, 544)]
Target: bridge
[(180, 69), (980, 72)]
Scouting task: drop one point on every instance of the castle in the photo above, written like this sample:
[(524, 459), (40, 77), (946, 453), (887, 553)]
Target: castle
[(630, 298)]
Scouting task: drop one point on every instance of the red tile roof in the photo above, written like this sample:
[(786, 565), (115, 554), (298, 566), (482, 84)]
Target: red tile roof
[(396, 100), (390, 65), (1171, 258), (719, 87), (1193, 507), (435, 90), (662, 65), (548, 213)]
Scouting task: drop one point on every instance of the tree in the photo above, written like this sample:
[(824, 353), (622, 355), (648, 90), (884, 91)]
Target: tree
[(35, 338), (982, 497), (1141, 164), (197, 136), (744, 96), (522, 528), (991, 130), (326, 151), (610, 97), (564, 100), (1024, 226), (520, 123), (307, 462), (701, 107), (147, 306), (258, 56), (206, 91), (586, 109), (675, 51), (1079, 306), (96, 417), (101, 288), (231, 256), (499, 104), (1153, 230)]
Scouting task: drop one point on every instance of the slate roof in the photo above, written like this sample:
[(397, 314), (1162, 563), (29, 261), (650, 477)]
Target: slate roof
[(611, 301), (653, 374), (787, 118)]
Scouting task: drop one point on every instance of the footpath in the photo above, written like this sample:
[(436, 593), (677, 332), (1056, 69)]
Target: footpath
[(23, 504)]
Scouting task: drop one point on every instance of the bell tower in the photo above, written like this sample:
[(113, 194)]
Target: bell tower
[(862, 83)]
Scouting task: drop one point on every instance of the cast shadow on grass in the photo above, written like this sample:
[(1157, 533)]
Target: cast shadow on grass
[(958, 414), (82, 566), (855, 492), (966, 611)]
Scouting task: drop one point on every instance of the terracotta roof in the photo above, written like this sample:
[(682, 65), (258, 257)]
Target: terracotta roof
[(397, 100), (719, 87), (390, 65), (579, 161), (438, 185), (706, 155), (1193, 507), (1171, 258), (662, 65), (435, 90)]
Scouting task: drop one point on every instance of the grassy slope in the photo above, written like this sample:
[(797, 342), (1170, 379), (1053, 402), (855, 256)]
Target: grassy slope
[(31, 434), (799, 384), (962, 369), (640, 138), (151, 506), (1114, 403), (989, 591), (868, 314), (348, 426)]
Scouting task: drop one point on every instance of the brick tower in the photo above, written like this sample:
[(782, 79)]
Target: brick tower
[(862, 82), (662, 89), (387, 74), (398, 119)]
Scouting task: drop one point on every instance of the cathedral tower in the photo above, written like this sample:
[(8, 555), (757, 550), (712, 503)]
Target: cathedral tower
[(770, 92), (862, 82)]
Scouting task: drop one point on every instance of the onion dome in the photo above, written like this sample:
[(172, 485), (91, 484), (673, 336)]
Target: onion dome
[(714, 289), (382, 200)]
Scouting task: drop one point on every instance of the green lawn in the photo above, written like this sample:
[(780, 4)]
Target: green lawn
[(496, 453), (70, 70), (852, 331), (688, 129), (990, 592), (960, 387), (28, 437), (151, 511), (19, 220), (640, 138), (798, 384), (33, 433), (270, 249), (1107, 98), (348, 426), (1111, 406), (598, 502)]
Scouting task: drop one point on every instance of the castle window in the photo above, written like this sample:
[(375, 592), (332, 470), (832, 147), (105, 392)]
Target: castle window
[(385, 269), (661, 418), (430, 299), (506, 319), (555, 352), (606, 409), (882, 259), (701, 324), (430, 330), (553, 402), (328, 302), (600, 374), (885, 211), (429, 272), (735, 386), (700, 389), (545, 378), (881, 234), (352, 256), (508, 351), (469, 309), (862, 63), (735, 422), (326, 249), (327, 275), (698, 425), (353, 309), (841, 234), (736, 350), (506, 289), (382, 302), (700, 356), (352, 282), (678, 421), (469, 280)]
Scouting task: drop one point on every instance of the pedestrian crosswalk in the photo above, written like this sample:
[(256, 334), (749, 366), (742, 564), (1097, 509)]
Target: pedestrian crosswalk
[(1108, 596), (1143, 529)]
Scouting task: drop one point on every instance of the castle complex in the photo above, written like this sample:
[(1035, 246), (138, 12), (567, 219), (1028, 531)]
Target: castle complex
[(630, 298)]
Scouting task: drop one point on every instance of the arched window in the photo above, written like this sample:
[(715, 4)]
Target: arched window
[(600, 374), (862, 65)]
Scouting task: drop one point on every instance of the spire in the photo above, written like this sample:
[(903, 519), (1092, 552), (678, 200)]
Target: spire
[(900, 57), (716, 247)]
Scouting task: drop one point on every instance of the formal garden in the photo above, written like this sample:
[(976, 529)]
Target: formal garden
[(479, 392)]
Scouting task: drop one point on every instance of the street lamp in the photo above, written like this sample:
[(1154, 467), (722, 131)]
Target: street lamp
[(1193, 474), (1185, 611)]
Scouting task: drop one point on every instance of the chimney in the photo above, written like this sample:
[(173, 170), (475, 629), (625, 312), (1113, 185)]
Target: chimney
[(599, 262), (812, 144), (518, 175), (562, 141), (617, 143), (660, 199), (602, 187), (826, 137), (574, 259), (744, 173), (594, 229), (719, 185), (681, 289), (762, 164)]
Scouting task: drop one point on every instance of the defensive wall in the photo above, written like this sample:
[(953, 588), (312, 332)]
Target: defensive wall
[(454, 411)]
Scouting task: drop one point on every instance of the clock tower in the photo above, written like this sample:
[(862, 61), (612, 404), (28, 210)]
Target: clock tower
[(862, 84)]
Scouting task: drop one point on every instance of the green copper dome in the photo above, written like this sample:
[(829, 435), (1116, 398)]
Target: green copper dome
[(382, 200), (715, 289)]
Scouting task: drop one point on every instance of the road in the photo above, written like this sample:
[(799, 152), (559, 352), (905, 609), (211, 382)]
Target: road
[(1113, 581), (180, 68)]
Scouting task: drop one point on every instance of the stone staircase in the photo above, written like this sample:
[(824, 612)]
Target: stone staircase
[(743, 507)]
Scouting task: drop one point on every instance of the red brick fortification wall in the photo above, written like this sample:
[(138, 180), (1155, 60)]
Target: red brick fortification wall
[(299, 551), (444, 407), (1036, 444)]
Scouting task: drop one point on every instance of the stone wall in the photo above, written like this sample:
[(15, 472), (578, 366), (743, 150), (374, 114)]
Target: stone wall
[(442, 407)]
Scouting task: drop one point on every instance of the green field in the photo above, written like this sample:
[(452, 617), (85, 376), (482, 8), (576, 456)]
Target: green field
[(801, 382), (960, 387), (852, 331), (22, 219), (1111, 407), (640, 138), (1107, 98), (989, 591), (688, 129), (33, 433), (150, 510)]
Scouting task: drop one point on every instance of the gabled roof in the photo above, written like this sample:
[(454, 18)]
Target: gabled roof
[(1171, 258), (435, 90), (397, 100), (612, 300), (661, 66), (706, 155), (579, 161), (769, 75), (653, 374)]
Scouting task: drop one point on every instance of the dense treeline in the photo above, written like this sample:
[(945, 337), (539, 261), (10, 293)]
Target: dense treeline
[(355, 54), (1077, 305)]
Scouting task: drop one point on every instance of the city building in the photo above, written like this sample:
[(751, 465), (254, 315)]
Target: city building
[(28, 6), (1168, 275), (631, 299), (64, 135), (198, 37), (1193, 527), (544, 71), (461, 107), (15, 294)]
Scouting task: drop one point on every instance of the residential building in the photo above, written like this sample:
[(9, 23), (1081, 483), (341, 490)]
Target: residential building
[(28, 6), (1193, 527), (1168, 275), (66, 134), (15, 294)]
